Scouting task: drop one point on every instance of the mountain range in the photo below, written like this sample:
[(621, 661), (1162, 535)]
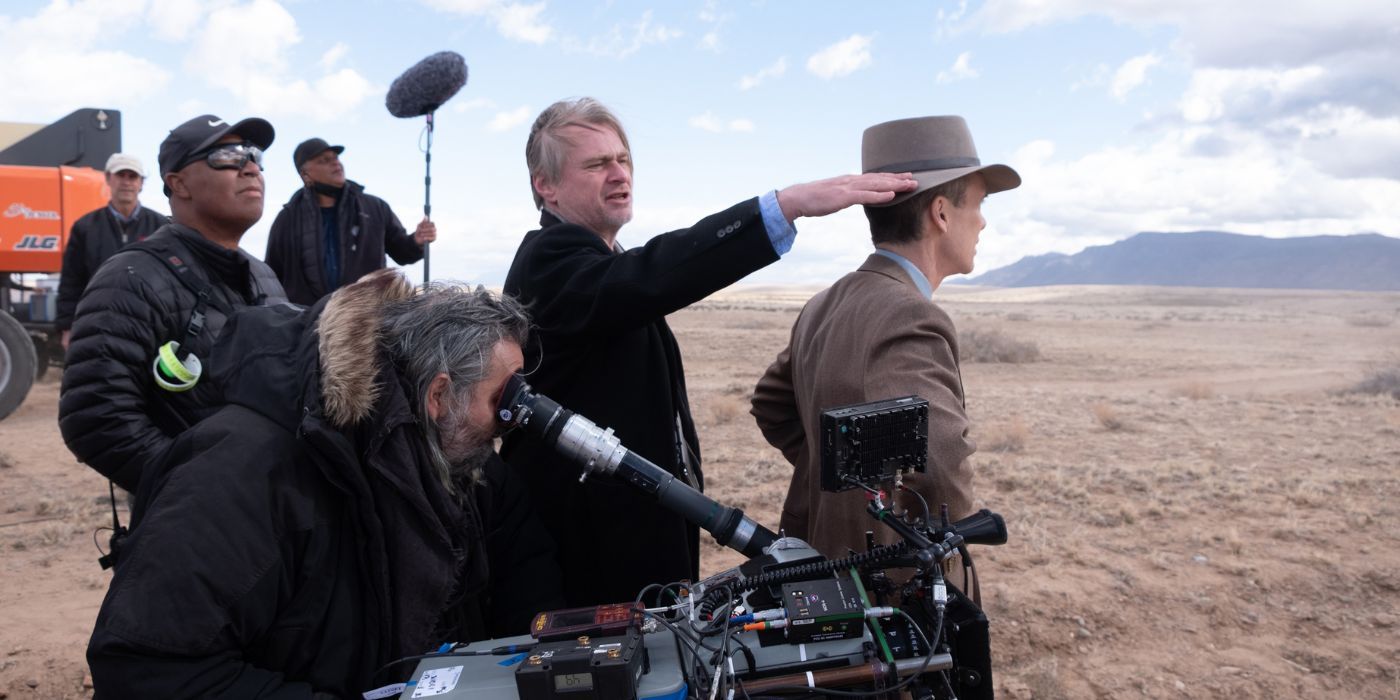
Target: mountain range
[(1368, 261)]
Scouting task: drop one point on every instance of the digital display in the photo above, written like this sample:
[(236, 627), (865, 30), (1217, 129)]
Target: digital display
[(571, 618), (569, 682)]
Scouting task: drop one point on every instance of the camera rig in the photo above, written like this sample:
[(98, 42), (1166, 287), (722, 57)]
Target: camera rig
[(787, 622)]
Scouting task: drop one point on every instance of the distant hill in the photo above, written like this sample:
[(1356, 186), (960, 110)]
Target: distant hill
[(1369, 262)]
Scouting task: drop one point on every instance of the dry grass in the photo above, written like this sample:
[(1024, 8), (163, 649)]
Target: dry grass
[(1108, 417), (991, 345), (726, 409), (1007, 437), (1196, 391), (1381, 381), (1370, 321)]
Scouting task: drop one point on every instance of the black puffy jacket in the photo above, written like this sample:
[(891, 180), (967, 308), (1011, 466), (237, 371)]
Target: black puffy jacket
[(94, 238), (298, 540), (111, 412), (368, 230)]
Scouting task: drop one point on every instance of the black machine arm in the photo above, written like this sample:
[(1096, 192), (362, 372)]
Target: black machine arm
[(598, 450)]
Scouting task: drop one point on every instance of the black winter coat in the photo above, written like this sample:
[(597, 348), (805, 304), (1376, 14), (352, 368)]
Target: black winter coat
[(94, 238), (111, 412), (608, 355), (368, 230), (286, 553)]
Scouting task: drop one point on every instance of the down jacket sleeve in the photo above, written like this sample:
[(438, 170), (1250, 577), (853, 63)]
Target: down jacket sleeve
[(105, 406), (200, 583)]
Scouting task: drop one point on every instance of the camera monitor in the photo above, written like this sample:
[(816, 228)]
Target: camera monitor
[(870, 443)]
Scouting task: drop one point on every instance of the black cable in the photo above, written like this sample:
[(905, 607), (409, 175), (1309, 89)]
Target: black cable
[(731, 589), (681, 638), (928, 515)]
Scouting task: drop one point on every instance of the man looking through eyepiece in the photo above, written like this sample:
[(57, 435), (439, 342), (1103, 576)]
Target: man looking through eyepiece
[(343, 510)]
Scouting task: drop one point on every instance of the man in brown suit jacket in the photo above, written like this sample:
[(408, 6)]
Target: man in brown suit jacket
[(876, 334)]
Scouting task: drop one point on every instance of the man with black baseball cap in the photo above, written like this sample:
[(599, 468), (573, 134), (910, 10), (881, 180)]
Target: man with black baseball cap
[(330, 233), (156, 308)]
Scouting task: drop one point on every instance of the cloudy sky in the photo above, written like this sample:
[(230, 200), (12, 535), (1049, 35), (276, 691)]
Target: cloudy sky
[(1264, 117)]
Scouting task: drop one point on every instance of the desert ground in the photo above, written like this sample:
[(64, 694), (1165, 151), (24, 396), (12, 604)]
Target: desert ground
[(1197, 506)]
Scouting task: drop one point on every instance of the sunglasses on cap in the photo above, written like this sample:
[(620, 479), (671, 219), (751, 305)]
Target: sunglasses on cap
[(228, 156)]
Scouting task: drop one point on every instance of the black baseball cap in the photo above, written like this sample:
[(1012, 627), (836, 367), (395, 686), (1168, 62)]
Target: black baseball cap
[(310, 148), (201, 132)]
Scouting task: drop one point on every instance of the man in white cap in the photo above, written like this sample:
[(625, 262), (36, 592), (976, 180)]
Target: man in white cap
[(876, 334), (102, 232)]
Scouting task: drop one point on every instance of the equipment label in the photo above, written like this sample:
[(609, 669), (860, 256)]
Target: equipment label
[(437, 681)]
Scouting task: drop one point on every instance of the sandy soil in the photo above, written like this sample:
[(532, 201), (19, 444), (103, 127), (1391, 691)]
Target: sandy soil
[(1195, 510)]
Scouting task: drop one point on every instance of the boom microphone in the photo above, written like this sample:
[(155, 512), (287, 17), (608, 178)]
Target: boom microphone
[(598, 450), (427, 85), (418, 93)]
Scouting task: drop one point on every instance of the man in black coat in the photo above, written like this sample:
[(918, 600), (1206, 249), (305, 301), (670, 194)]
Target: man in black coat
[(100, 233), (330, 233), (345, 509), (176, 287), (604, 348)]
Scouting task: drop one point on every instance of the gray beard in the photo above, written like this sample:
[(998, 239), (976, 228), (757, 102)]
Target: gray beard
[(471, 465)]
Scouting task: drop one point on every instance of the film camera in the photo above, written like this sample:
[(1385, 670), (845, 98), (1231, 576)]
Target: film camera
[(877, 623)]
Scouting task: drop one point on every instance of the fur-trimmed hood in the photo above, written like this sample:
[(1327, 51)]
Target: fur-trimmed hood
[(286, 362), (349, 344)]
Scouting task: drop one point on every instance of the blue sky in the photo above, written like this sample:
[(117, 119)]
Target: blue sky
[(1271, 118)]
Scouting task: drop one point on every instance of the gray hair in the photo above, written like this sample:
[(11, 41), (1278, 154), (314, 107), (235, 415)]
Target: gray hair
[(453, 329), (544, 150)]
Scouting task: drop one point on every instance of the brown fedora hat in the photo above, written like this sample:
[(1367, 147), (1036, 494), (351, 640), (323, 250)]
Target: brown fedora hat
[(935, 149)]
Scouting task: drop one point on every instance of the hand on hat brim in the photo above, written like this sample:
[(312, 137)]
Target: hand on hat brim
[(998, 178), (831, 195)]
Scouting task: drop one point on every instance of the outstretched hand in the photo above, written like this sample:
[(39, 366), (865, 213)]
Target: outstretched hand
[(828, 196)]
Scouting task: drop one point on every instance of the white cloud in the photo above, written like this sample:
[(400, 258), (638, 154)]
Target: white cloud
[(1218, 93), (1354, 41), (1097, 78), (522, 22), (842, 58), (333, 55), (243, 49), (1286, 126), (713, 124), (1131, 74), (710, 15), (516, 21), (623, 41), (960, 70), (89, 75), (1170, 185), (776, 70), (173, 20), (504, 121)]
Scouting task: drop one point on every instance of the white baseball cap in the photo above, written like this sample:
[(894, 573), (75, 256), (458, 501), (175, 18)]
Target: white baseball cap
[(121, 161)]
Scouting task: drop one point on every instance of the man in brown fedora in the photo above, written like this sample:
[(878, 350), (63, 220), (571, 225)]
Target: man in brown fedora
[(876, 334)]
